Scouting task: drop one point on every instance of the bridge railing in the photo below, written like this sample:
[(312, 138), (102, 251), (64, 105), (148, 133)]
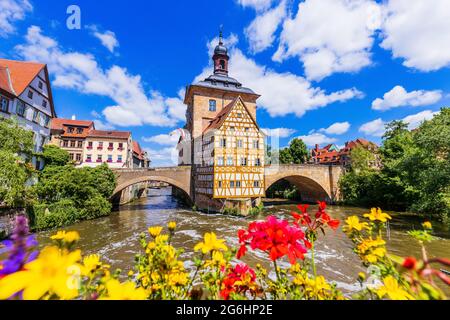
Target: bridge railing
[(129, 170)]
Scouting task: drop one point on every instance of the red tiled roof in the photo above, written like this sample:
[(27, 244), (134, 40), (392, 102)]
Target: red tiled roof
[(109, 134), (58, 123), (22, 73), (5, 81), (138, 150)]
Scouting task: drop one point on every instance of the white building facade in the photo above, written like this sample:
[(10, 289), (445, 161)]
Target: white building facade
[(25, 95)]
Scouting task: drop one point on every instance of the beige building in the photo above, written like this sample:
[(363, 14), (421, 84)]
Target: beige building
[(111, 147), (70, 135), (225, 146)]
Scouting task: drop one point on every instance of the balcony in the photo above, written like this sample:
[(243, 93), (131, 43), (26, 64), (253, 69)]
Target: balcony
[(99, 148), (89, 147), (99, 160), (89, 160), (109, 161)]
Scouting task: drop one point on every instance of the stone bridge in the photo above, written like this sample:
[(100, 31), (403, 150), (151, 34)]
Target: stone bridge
[(315, 182)]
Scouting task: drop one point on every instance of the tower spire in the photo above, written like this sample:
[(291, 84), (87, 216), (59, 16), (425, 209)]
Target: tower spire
[(221, 57), (221, 35)]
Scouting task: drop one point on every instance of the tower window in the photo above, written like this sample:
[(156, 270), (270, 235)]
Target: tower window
[(222, 64), (212, 105)]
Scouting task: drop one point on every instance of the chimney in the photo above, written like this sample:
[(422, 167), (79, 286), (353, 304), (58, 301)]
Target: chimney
[(74, 117)]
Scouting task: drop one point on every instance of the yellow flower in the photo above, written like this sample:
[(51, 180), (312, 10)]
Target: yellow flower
[(123, 291), (372, 250), (69, 237), (217, 259), (53, 272), (130, 273), (393, 290), (352, 223), (361, 276), (172, 225), (427, 225), (211, 243), (155, 231), (163, 238), (91, 263), (177, 279), (377, 214)]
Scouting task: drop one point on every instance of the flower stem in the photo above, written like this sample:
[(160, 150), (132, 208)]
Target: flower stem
[(276, 270), (313, 262)]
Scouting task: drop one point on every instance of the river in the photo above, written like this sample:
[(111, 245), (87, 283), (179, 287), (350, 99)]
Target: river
[(116, 237)]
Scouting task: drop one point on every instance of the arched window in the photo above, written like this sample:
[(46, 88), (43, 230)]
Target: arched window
[(222, 64)]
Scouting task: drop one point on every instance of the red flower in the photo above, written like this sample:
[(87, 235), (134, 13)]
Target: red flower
[(410, 263), (321, 218), (241, 273), (276, 237)]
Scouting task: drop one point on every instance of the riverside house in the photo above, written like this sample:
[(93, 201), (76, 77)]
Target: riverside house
[(26, 95)]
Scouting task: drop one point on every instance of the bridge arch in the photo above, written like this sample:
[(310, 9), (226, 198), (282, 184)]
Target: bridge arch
[(310, 190), (178, 177), (315, 182)]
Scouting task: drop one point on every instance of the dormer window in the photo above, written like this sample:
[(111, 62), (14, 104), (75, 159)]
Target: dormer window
[(40, 85), (44, 103), (212, 105), (30, 94)]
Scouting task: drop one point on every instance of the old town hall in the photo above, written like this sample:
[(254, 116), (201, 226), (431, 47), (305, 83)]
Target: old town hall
[(223, 144)]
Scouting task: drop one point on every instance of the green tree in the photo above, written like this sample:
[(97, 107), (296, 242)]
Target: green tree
[(361, 159), (15, 139), (55, 156), (286, 156), (296, 153), (14, 174), (16, 147), (299, 151), (415, 174)]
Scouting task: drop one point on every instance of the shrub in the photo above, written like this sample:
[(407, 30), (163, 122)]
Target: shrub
[(55, 215)]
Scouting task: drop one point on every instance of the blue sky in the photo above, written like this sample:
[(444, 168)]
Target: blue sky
[(328, 70)]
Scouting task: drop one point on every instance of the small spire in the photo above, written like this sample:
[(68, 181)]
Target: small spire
[(221, 35)]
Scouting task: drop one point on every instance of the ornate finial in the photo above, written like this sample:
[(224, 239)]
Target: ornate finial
[(221, 35)]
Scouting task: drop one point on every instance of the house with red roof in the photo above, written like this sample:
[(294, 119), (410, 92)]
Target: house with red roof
[(140, 157), (26, 95), (332, 155)]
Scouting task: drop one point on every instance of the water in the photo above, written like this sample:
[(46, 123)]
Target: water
[(116, 237)]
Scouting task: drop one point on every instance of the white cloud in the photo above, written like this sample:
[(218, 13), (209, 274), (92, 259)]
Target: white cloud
[(316, 138), (374, 128), (282, 93), (176, 107), (330, 36), (95, 114), (399, 97), (163, 139), (81, 71), (163, 157), (415, 120), (100, 125), (261, 32), (10, 12), (337, 128), (418, 32), (107, 38), (258, 5), (279, 132)]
